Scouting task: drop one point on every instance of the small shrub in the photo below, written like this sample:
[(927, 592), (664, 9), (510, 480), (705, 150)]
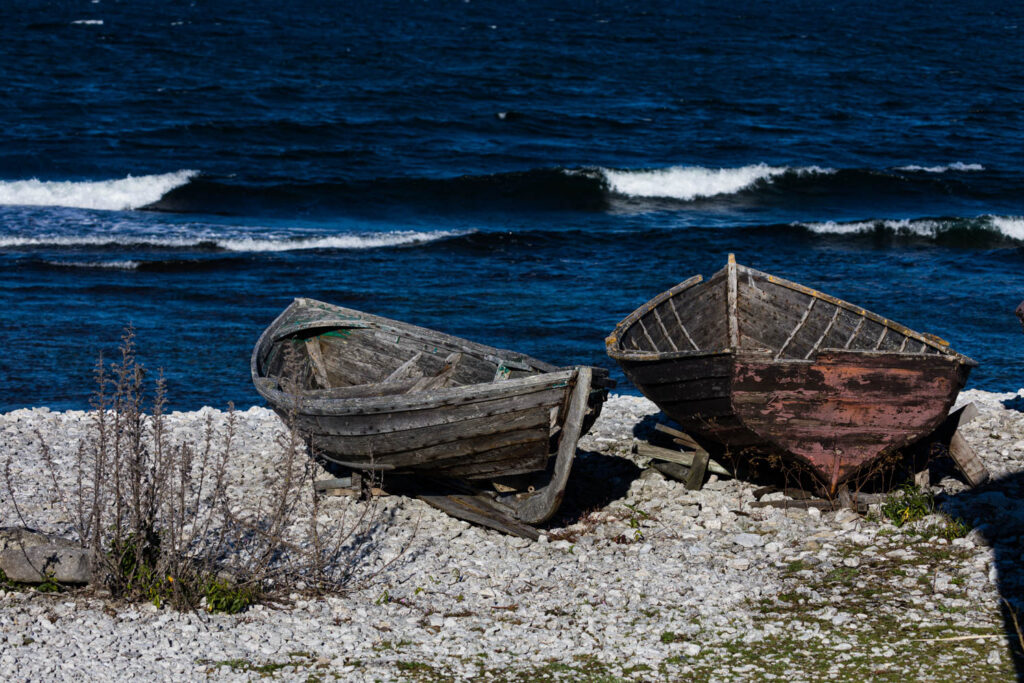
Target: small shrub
[(163, 522), (228, 597), (909, 504)]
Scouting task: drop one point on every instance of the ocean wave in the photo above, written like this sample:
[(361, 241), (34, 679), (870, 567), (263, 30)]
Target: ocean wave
[(957, 166), (88, 22), (587, 189), (98, 265), (687, 183), (398, 238), (981, 231), (354, 241), (131, 192), (1011, 226)]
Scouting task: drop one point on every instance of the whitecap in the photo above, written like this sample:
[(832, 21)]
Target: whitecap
[(906, 226), (104, 265), (110, 195), (956, 166), (1011, 226), (350, 241), (238, 244), (693, 182)]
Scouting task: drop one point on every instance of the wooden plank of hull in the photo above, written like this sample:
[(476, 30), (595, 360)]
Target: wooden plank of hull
[(420, 447), (646, 373), (541, 505), (431, 417), (843, 410), (695, 391)]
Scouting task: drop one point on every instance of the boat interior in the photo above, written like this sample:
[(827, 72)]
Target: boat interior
[(743, 308), (365, 359)]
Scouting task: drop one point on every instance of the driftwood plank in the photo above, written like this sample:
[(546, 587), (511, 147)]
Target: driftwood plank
[(672, 469), (967, 461), (681, 438), (335, 483), (658, 453), (695, 480), (479, 510)]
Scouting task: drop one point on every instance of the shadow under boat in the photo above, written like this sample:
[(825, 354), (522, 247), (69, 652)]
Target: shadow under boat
[(485, 434)]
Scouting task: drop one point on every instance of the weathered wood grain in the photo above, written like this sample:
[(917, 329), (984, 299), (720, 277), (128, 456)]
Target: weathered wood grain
[(382, 395)]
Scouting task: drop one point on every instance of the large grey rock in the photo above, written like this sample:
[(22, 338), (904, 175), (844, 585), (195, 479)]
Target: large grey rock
[(28, 556)]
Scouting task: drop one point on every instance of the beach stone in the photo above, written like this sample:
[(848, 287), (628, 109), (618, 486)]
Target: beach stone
[(748, 540), (35, 564)]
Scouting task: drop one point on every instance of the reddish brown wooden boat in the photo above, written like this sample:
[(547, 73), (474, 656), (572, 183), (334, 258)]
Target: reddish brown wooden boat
[(750, 363)]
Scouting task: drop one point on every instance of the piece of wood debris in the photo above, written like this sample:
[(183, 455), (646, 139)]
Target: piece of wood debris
[(647, 450)]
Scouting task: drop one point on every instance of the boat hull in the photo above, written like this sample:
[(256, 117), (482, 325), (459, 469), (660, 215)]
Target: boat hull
[(477, 432), (835, 415)]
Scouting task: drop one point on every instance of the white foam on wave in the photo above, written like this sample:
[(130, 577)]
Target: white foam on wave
[(93, 241), (352, 241), (239, 244), (88, 22), (957, 166), (693, 182), (109, 195), (921, 227), (103, 265), (1009, 226)]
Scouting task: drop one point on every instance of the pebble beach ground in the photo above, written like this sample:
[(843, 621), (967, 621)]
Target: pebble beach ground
[(636, 579)]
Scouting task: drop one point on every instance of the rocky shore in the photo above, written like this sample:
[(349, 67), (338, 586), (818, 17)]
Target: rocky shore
[(636, 579)]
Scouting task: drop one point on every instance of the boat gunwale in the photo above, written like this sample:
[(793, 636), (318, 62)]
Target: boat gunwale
[(612, 340), (425, 400), (766, 355), (371, 321)]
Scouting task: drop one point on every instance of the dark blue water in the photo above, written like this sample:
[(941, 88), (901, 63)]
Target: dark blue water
[(521, 174)]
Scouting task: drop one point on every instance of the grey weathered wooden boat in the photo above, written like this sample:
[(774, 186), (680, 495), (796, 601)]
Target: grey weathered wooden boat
[(749, 363), (375, 394)]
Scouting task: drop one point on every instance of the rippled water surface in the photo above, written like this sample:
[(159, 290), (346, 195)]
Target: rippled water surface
[(519, 174)]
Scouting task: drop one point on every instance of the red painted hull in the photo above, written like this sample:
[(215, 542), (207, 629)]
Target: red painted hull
[(844, 410)]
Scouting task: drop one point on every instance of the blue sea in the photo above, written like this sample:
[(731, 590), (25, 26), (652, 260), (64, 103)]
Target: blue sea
[(522, 174)]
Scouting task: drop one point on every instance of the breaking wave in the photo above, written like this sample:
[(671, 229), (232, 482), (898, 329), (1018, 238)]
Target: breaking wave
[(97, 265), (958, 166), (399, 238), (110, 195), (982, 231), (687, 183)]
